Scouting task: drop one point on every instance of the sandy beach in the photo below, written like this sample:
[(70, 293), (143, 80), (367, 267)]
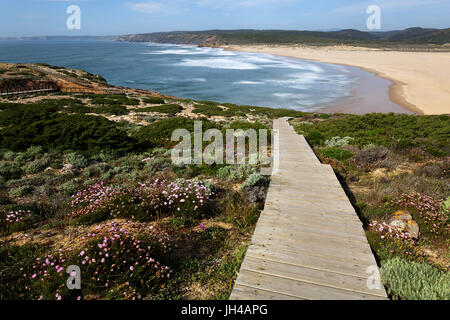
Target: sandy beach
[(421, 80)]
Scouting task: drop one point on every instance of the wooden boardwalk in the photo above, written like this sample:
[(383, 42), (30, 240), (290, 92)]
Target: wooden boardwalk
[(309, 242)]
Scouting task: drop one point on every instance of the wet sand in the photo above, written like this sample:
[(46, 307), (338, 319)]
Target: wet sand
[(370, 93)]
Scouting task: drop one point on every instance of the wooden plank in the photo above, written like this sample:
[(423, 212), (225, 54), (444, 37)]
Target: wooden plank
[(289, 209), (312, 260), (313, 275), (243, 292), (327, 231), (299, 289), (315, 234), (339, 250), (333, 255), (315, 221), (342, 208)]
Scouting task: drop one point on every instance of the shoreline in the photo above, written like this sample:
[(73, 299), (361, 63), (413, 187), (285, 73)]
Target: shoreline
[(369, 93), (395, 90), (398, 90)]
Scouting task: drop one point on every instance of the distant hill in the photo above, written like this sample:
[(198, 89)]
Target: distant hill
[(419, 35), (408, 34), (348, 36)]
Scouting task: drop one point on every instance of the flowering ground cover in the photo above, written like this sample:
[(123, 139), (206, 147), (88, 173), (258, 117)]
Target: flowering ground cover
[(137, 225)]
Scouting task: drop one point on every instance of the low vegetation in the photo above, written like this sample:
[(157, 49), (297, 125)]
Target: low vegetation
[(404, 278), (83, 182), (388, 163)]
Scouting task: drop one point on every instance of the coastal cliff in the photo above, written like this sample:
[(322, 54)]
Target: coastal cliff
[(199, 39)]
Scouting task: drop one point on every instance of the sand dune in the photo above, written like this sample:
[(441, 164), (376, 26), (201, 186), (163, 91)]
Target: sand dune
[(421, 80)]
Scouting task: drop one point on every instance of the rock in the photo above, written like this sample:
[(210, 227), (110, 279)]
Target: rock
[(404, 222), (69, 168)]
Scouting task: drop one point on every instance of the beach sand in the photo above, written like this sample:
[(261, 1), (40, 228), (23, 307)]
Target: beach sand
[(420, 80)]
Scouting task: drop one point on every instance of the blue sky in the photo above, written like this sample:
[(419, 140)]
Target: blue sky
[(113, 17)]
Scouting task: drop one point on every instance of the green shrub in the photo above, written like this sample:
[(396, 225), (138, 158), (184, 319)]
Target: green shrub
[(130, 163), (159, 134), (415, 281), (36, 166), (9, 155), (255, 179), (4, 201), (325, 116), (34, 151), (107, 155), (157, 164), (224, 172), (153, 100), (396, 130), (10, 170), (94, 170), (77, 160), (26, 114), (56, 165), (77, 132), (113, 99), (338, 142), (68, 188), (61, 103), (20, 191), (161, 152), (337, 153), (116, 110), (314, 138), (435, 152), (243, 110), (210, 109), (21, 156), (235, 172), (245, 125)]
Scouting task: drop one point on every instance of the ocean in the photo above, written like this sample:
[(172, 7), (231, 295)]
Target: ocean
[(201, 73)]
